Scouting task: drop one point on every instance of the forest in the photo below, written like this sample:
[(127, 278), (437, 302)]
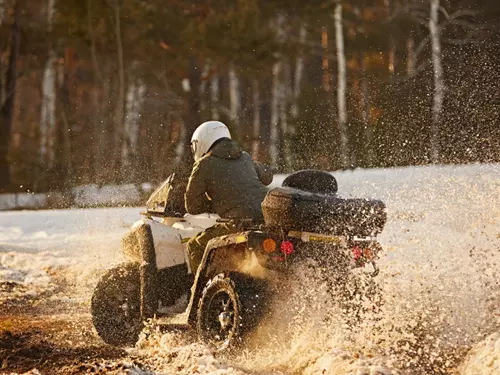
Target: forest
[(110, 91)]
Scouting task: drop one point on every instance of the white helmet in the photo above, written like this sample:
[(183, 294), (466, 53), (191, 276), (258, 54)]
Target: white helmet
[(206, 135)]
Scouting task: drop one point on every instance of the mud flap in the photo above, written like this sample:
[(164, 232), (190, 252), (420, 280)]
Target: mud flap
[(148, 272)]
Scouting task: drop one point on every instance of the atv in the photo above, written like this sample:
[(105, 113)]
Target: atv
[(303, 218)]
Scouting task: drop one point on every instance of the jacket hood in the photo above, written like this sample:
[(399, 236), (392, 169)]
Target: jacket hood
[(226, 149)]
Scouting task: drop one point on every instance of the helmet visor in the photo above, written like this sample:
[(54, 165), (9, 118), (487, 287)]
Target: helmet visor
[(193, 147)]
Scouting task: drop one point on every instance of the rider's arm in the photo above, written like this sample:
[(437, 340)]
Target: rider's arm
[(195, 197), (264, 173)]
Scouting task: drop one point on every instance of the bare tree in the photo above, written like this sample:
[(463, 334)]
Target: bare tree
[(256, 118), (410, 56), (7, 107), (234, 97), (366, 109), (49, 96), (2, 11), (203, 86), (341, 85), (275, 94), (299, 69), (439, 85), (392, 46), (120, 100), (214, 96), (324, 64), (285, 91), (134, 103), (99, 98), (274, 134)]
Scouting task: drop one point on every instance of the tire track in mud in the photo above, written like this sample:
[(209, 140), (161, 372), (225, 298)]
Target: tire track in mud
[(49, 332)]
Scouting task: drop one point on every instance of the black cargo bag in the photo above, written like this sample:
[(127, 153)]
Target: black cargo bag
[(294, 209)]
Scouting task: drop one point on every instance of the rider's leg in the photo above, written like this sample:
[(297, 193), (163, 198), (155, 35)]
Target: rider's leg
[(196, 245)]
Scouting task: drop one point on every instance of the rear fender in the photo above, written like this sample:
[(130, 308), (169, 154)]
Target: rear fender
[(227, 254)]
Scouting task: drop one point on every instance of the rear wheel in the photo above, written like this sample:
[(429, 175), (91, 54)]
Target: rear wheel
[(115, 306), (228, 309)]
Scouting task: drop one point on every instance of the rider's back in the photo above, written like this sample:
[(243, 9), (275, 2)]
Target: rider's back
[(234, 183)]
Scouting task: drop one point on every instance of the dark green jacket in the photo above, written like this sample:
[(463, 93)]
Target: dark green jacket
[(228, 182)]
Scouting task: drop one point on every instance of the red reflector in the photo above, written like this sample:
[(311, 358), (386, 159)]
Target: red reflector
[(357, 252), (286, 247)]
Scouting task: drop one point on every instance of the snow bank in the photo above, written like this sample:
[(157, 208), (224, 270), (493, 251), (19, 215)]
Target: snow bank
[(82, 196), (92, 195), (22, 201)]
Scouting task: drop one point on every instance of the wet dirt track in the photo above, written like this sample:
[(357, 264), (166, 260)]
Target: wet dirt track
[(52, 335)]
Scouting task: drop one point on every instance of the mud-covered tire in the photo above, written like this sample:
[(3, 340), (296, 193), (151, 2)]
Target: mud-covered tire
[(238, 296), (115, 306)]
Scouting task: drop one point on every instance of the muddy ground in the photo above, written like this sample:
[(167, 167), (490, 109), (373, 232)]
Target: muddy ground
[(54, 335)]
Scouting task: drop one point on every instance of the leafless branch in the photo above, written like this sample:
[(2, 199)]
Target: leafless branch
[(421, 45)]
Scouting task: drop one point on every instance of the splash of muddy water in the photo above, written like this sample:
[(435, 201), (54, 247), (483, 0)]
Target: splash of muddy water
[(438, 279)]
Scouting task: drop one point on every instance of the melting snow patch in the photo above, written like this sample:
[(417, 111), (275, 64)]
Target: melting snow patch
[(484, 358)]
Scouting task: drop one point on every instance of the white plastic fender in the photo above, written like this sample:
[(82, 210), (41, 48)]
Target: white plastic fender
[(168, 237), (167, 243)]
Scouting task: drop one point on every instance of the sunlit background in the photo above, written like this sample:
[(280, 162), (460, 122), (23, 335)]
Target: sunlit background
[(110, 91)]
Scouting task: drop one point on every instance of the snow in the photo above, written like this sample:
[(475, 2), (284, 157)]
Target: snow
[(439, 275), (22, 200), (93, 195), (82, 196), (83, 240)]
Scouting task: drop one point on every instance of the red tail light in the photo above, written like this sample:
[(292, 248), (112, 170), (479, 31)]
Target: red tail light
[(287, 247), (357, 252)]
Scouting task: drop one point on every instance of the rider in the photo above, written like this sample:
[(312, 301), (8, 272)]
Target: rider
[(225, 180)]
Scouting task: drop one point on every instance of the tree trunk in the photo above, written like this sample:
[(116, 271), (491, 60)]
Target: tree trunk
[(341, 85), (234, 98), (2, 88), (62, 171), (214, 96), (439, 85), (391, 63), (48, 117), (256, 118), (134, 102), (105, 131), (324, 64), (203, 87), (119, 112), (2, 13), (284, 92), (392, 59), (410, 52), (274, 134), (299, 69), (7, 108), (365, 111), (49, 96), (192, 119), (98, 131), (274, 138)]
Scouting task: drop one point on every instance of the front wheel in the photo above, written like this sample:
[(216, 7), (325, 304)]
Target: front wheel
[(228, 308), (115, 306)]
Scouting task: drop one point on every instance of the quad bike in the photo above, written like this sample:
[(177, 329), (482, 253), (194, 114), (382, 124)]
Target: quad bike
[(227, 295)]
